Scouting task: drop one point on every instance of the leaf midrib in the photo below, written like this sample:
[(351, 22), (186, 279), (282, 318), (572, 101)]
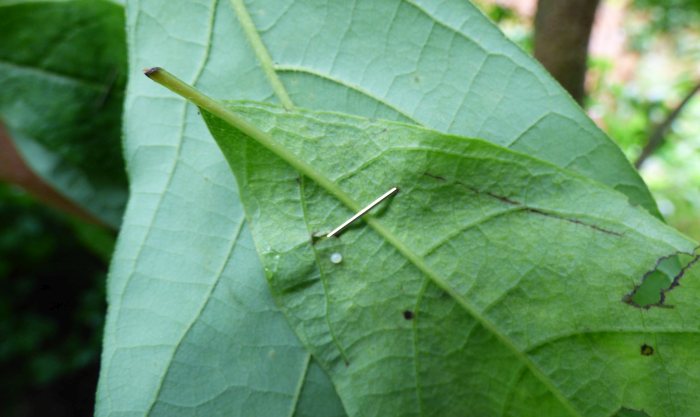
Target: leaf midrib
[(309, 171), (207, 298), (55, 76)]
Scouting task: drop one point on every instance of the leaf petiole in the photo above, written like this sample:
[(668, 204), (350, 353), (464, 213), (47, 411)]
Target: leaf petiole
[(176, 85)]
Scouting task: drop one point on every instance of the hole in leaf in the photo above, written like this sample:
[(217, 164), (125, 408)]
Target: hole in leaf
[(665, 276), (408, 315), (646, 350)]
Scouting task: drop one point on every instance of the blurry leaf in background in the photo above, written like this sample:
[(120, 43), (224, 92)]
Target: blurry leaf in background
[(14, 170), (669, 14), (51, 310), (62, 78)]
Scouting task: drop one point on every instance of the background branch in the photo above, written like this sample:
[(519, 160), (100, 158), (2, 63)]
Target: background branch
[(656, 139)]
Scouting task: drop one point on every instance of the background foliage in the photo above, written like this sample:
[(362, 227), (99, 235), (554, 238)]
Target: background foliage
[(52, 308), (63, 71)]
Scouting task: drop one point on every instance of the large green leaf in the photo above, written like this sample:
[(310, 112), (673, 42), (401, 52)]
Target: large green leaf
[(493, 284), (62, 76), (441, 64), (191, 327)]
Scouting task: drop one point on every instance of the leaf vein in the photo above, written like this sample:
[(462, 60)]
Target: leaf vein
[(416, 314), (354, 87), (196, 317), (161, 197), (56, 76), (323, 277), (300, 385), (261, 52)]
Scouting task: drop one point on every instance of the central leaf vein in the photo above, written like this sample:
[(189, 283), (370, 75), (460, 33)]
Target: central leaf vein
[(261, 52)]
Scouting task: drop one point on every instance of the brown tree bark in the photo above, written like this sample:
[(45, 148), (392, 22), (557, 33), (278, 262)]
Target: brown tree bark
[(562, 31)]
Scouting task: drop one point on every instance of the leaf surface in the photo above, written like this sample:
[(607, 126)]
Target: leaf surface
[(492, 284), (191, 327), (62, 72), (439, 64)]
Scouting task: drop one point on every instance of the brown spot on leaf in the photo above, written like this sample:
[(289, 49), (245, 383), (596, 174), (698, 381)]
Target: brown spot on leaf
[(646, 350), (408, 315)]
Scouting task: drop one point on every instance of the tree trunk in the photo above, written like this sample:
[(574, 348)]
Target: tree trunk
[(562, 32)]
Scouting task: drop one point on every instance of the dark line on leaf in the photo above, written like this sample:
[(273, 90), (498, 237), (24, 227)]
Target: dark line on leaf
[(298, 287), (574, 221), (437, 177), (503, 199), (511, 202), (322, 277)]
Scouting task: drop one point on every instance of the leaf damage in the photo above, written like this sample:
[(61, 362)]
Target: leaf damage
[(526, 208), (651, 291)]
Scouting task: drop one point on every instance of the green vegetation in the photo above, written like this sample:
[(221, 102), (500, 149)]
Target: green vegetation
[(523, 269), (51, 310)]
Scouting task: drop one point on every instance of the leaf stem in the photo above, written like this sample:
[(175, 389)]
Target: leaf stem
[(216, 108)]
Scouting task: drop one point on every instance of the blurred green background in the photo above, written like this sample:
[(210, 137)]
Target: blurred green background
[(643, 61)]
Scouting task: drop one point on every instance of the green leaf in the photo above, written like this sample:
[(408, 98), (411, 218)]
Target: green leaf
[(630, 413), (62, 71), (493, 284), (191, 326), (441, 64)]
